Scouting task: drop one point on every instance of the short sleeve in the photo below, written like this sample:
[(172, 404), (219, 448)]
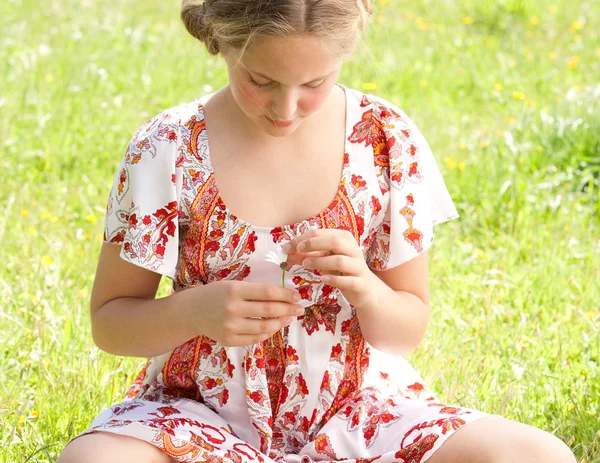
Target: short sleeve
[(142, 209), (415, 195)]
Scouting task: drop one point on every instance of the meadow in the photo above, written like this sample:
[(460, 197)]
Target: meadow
[(508, 94)]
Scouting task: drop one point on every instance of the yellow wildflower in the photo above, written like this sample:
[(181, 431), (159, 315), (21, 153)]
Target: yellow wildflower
[(54, 219), (534, 20), (421, 22), (91, 218), (423, 83), (49, 78), (520, 161), (530, 102), (46, 215), (369, 86), (518, 95), (461, 166), (577, 26), (539, 148), (566, 228), (47, 260), (553, 9), (21, 420), (498, 87), (462, 146), (467, 20), (35, 413), (32, 230), (24, 212), (575, 60), (19, 430), (450, 162), (483, 143), (512, 120), (552, 55)]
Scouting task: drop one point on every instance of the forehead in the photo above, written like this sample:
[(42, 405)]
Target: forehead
[(290, 60)]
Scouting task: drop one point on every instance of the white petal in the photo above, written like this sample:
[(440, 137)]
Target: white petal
[(272, 257)]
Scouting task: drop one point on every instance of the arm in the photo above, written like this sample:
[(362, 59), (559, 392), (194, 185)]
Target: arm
[(395, 321), (126, 318), (392, 306)]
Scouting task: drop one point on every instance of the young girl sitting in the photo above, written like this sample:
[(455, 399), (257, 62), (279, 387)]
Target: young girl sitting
[(294, 216)]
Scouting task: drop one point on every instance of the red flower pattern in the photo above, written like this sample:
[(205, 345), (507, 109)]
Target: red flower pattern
[(318, 368)]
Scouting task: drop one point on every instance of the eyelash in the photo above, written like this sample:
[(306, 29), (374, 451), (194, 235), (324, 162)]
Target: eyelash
[(259, 85)]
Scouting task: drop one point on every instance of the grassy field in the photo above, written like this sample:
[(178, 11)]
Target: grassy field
[(508, 94)]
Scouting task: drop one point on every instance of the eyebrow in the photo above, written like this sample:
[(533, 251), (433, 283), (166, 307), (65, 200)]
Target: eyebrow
[(273, 80)]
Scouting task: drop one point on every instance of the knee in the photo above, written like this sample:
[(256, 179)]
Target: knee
[(528, 444), (102, 447), (79, 451), (548, 448)]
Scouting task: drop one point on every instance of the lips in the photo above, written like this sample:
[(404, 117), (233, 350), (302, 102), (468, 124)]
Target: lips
[(280, 124)]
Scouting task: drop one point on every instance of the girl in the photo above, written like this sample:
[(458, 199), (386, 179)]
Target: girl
[(283, 338)]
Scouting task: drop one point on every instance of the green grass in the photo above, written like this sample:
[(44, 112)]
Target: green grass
[(507, 93)]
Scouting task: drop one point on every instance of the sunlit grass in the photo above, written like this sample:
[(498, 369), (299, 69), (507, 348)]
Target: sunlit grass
[(506, 92)]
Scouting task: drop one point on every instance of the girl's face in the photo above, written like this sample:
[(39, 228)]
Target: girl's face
[(281, 81)]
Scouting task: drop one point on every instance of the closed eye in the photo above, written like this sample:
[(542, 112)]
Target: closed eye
[(259, 85), (317, 85)]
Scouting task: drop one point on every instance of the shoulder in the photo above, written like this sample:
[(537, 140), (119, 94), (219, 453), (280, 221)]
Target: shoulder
[(376, 108), (160, 136), (166, 124)]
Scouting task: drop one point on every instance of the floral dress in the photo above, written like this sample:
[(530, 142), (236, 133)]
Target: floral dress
[(317, 391)]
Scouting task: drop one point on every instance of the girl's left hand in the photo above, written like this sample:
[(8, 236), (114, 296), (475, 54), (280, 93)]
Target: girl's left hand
[(339, 260)]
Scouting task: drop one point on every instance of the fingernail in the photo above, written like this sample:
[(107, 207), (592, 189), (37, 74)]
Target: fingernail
[(300, 247), (300, 311), (306, 262)]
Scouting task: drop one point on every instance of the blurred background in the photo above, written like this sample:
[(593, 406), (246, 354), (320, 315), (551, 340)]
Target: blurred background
[(508, 94)]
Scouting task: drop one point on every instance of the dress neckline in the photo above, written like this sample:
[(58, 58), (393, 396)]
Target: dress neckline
[(317, 217)]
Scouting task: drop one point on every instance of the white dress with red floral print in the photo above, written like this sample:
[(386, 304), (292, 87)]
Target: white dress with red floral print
[(317, 391)]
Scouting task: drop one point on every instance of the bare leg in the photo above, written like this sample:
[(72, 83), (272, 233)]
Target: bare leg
[(494, 439), (101, 447)]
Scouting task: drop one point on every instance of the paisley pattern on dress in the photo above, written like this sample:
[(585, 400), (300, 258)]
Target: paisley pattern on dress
[(316, 391)]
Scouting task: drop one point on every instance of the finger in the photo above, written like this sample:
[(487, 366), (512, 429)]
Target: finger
[(337, 244), (261, 309), (298, 257), (291, 246), (338, 263), (248, 339), (266, 292), (266, 326)]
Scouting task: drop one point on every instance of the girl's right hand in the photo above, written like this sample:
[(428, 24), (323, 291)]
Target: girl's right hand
[(240, 313)]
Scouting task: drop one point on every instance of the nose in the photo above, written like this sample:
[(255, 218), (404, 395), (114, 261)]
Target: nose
[(284, 105)]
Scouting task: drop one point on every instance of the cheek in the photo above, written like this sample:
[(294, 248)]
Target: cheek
[(312, 101), (251, 99)]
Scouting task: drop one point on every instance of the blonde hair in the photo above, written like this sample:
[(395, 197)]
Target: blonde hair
[(237, 24)]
